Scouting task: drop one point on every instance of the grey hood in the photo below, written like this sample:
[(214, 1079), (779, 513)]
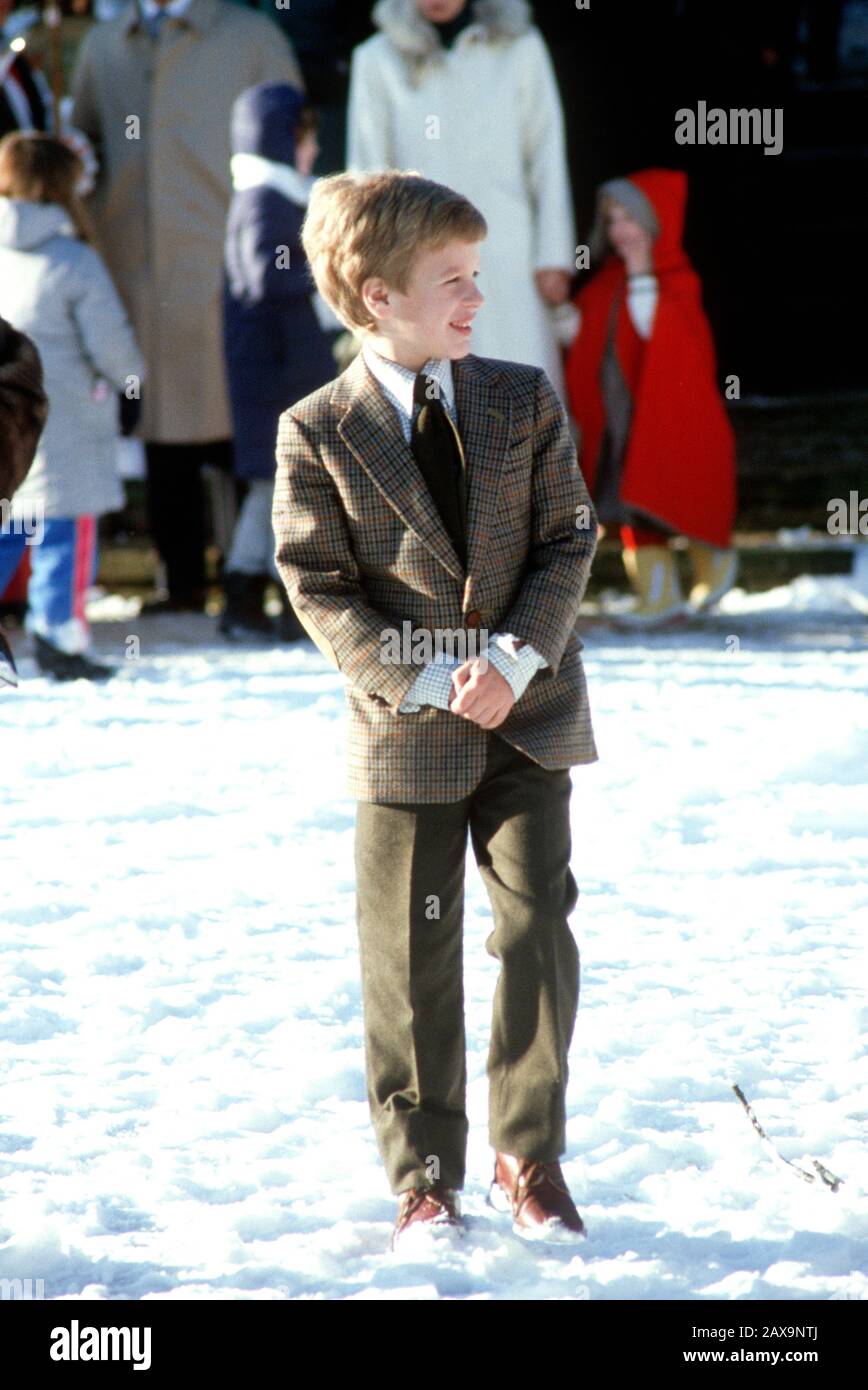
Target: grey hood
[(630, 196), (25, 225)]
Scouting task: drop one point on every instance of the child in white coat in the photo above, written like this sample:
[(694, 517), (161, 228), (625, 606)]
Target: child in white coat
[(55, 288)]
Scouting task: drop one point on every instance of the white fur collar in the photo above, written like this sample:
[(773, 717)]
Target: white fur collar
[(417, 40)]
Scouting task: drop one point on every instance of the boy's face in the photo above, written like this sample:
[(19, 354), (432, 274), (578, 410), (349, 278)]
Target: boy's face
[(427, 321)]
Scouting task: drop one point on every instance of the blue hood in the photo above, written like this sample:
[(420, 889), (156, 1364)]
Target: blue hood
[(264, 119)]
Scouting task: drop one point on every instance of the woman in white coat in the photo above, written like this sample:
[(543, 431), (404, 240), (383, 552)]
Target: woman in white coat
[(464, 92)]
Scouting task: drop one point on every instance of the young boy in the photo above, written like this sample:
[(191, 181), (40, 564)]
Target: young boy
[(431, 488)]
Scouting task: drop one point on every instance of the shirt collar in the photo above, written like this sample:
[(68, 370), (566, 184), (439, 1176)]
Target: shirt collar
[(201, 14), (151, 8), (400, 380)]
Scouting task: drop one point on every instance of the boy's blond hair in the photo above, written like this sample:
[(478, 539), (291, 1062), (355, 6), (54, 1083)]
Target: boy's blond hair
[(363, 225)]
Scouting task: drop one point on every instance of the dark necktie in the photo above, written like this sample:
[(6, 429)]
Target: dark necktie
[(435, 447)]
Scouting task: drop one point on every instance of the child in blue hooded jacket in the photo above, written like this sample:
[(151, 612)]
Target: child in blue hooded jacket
[(278, 332)]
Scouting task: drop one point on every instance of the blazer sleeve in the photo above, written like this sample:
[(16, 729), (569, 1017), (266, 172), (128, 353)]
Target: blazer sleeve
[(563, 535), (315, 560)]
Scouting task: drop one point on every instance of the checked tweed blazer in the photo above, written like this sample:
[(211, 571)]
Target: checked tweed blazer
[(361, 549)]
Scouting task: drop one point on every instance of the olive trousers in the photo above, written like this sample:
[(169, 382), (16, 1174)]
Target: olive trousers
[(410, 862)]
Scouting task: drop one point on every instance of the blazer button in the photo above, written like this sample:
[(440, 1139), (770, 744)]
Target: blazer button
[(473, 618)]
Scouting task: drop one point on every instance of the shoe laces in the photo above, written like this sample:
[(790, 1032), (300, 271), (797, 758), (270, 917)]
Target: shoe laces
[(414, 1198)]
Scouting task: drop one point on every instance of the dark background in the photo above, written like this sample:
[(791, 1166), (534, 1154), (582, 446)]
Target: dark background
[(779, 240)]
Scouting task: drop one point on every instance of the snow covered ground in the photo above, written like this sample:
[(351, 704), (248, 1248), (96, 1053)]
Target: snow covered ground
[(183, 1110)]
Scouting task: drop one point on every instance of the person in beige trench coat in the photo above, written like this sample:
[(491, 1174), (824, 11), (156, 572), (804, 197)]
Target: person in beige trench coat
[(157, 109)]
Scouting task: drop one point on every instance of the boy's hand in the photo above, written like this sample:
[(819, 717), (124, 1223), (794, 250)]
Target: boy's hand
[(482, 695)]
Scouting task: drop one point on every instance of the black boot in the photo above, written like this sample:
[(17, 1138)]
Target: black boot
[(68, 666), (155, 607), (243, 615)]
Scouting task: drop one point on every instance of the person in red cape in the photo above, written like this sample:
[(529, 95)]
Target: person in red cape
[(657, 448)]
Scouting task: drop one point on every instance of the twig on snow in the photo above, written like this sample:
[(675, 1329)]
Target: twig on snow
[(828, 1178)]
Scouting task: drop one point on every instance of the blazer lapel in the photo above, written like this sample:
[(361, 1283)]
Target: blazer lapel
[(483, 410), (372, 431)]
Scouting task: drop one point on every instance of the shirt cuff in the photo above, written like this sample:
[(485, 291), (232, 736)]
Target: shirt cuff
[(432, 686), (517, 664)]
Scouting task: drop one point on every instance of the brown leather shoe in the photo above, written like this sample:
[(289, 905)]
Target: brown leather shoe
[(436, 1205), (537, 1196)]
